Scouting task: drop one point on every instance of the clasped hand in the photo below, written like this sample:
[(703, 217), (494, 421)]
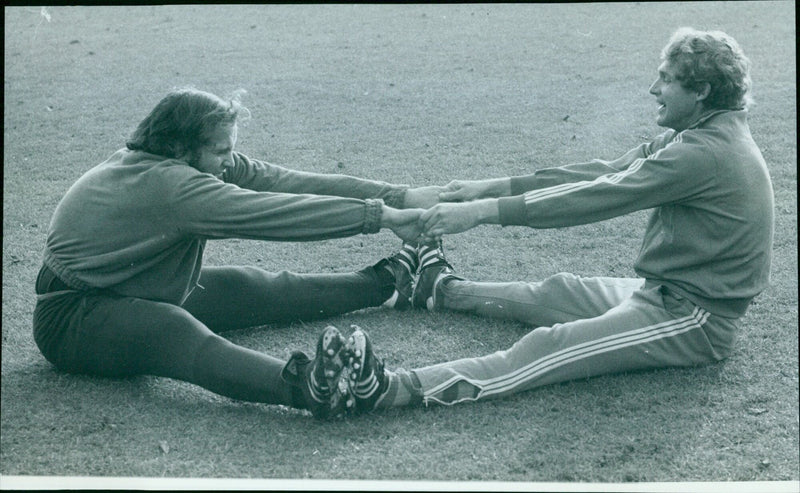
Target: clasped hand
[(455, 191), (450, 209), (417, 226), (448, 218)]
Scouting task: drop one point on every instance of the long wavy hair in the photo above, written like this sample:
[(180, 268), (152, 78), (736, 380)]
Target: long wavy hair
[(713, 57), (182, 121)]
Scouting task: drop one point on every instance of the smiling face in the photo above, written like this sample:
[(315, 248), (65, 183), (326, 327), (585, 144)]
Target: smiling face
[(217, 154), (680, 107)]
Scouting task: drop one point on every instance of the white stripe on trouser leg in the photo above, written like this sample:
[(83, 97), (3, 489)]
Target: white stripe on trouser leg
[(577, 353), (574, 353)]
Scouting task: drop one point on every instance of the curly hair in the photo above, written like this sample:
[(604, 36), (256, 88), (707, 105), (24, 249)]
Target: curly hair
[(181, 122), (711, 57)]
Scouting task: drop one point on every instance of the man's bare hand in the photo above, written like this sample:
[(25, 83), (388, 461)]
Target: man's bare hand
[(422, 197), (403, 222), (445, 219)]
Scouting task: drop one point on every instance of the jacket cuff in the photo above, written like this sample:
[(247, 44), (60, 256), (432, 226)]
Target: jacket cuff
[(512, 211), (372, 217)]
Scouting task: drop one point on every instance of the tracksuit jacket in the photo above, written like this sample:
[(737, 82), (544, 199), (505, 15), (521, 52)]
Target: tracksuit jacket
[(136, 224), (710, 235)]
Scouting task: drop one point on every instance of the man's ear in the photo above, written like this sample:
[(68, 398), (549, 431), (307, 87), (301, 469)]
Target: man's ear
[(704, 91)]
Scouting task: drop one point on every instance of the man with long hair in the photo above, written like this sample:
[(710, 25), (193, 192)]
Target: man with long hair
[(705, 255), (123, 289)]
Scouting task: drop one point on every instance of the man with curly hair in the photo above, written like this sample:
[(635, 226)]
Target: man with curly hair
[(705, 255)]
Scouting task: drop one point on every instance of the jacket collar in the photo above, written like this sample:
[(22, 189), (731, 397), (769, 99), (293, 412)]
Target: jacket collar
[(703, 118)]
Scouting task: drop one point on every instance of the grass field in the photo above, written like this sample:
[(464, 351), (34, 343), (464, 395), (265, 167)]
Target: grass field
[(416, 94)]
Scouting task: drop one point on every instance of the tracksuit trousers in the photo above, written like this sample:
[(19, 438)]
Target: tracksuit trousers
[(585, 327), (101, 333)]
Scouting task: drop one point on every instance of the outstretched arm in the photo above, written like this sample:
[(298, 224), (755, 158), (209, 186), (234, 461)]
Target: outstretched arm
[(466, 190), (261, 176)]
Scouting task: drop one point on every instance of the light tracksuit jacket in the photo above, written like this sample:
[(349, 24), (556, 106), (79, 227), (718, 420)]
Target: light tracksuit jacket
[(710, 234)]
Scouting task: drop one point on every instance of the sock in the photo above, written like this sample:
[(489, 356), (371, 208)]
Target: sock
[(404, 389)]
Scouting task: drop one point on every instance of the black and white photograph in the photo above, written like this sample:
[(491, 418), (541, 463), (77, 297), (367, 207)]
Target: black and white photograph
[(400, 247)]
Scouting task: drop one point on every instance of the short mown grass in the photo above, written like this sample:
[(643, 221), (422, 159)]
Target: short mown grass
[(420, 95)]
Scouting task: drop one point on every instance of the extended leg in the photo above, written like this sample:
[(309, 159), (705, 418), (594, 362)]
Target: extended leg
[(560, 298), (650, 329), (115, 336), (238, 297)]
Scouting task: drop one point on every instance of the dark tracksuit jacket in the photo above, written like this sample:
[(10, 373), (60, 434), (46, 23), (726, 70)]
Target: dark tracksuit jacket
[(710, 235), (137, 223)]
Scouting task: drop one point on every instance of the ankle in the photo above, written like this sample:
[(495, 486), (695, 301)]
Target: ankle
[(384, 273)]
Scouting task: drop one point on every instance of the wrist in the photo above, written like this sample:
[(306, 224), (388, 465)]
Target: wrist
[(387, 216), (487, 211), (500, 187)]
